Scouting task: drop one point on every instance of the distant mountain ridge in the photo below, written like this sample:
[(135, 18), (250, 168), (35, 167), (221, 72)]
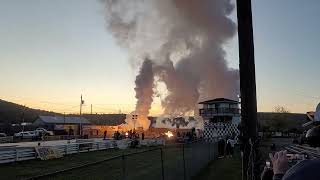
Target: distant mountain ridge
[(295, 119), (11, 113)]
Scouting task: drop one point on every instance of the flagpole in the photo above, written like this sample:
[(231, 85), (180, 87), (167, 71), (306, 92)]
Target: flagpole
[(81, 102)]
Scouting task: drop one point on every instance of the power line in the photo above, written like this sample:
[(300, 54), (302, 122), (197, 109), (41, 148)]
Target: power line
[(55, 103)]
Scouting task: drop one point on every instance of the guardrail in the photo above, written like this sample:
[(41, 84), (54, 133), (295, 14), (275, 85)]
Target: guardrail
[(13, 154)]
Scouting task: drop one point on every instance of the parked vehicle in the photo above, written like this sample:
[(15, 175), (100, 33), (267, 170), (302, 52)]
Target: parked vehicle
[(25, 134), (3, 135), (44, 132)]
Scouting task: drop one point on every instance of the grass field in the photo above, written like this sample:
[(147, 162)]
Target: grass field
[(146, 165), (226, 169), (139, 166), (24, 169)]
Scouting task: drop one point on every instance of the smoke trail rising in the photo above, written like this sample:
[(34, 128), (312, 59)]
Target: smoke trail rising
[(184, 41)]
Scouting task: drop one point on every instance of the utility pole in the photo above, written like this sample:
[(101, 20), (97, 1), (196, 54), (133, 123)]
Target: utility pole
[(91, 113), (247, 90), (64, 118), (23, 123), (64, 121), (134, 119), (81, 103)]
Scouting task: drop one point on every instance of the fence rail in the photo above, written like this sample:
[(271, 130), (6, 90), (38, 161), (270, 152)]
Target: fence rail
[(12, 139), (12, 154), (6, 139)]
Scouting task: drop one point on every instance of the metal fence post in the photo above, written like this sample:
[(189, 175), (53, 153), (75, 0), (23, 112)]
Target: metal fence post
[(212, 146), (209, 153), (162, 168), (184, 164), (17, 155), (66, 149), (124, 171)]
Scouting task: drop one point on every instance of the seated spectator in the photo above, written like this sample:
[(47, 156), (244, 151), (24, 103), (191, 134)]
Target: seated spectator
[(304, 170)]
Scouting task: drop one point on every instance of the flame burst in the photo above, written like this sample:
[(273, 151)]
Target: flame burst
[(169, 134)]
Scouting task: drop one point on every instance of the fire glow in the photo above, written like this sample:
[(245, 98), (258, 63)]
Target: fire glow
[(169, 134)]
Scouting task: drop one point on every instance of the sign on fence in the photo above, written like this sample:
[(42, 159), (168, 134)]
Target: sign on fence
[(46, 152), (85, 146)]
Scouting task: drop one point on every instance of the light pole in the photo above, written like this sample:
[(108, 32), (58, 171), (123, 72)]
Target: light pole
[(23, 123), (81, 103), (134, 120)]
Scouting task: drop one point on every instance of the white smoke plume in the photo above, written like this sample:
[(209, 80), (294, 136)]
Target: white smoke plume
[(144, 93), (184, 40)]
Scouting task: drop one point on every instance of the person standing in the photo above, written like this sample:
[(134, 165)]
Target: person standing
[(221, 146), (228, 148), (104, 135), (40, 136), (232, 143)]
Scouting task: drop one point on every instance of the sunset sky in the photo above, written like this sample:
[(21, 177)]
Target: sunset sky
[(51, 52)]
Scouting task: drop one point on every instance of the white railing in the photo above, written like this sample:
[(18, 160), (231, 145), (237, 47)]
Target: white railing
[(12, 154), (6, 139), (19, 154), (10, 139)]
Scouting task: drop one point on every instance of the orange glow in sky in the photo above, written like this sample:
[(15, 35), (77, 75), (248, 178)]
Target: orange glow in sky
[(48, 59)]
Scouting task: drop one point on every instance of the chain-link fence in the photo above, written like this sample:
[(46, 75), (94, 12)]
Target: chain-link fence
[(172, 162)]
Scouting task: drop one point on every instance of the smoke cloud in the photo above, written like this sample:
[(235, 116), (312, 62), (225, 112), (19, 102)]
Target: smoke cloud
[(185, 122), (144, 93), (183, 40)]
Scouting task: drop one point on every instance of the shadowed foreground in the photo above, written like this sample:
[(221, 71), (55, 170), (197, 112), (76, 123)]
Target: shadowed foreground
[(226, 169)]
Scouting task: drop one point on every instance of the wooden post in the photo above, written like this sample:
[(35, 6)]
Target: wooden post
[(66, 149), (124, 169), (247, 87), (184, 163), (17, 154), (162, 165)]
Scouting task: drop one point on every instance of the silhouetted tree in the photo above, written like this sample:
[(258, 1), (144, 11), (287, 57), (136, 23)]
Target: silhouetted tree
[(279, 120)]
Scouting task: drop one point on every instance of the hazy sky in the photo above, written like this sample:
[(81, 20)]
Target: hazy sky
[(52, 51)]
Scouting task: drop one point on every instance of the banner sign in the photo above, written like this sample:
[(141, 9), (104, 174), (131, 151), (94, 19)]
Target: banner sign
[(46, 152), (85, 146)]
